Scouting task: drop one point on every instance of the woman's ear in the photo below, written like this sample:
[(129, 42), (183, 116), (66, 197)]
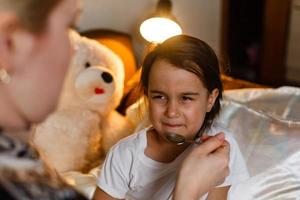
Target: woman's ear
[(8, 22), (16, 42), (211, 99)]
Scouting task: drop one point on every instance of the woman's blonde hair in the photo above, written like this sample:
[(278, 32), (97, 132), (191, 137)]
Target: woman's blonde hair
[(33, 14)]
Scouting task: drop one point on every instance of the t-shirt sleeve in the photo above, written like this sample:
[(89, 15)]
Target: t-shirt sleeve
[(114, 175), (237, 165)]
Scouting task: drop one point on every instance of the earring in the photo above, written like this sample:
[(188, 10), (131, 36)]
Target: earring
[(4, 76)]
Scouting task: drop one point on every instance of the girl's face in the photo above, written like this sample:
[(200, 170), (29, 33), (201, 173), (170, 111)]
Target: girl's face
[(178, 101), (41, 61)]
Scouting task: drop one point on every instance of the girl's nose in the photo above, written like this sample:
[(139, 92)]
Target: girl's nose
[(172, 109)]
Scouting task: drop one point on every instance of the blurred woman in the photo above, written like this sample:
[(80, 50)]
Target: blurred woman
[(34, 56)]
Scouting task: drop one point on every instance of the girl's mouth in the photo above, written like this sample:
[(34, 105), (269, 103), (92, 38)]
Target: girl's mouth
[(172, 125)]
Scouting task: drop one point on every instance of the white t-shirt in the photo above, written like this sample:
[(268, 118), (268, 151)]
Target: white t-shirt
[(128, 173)]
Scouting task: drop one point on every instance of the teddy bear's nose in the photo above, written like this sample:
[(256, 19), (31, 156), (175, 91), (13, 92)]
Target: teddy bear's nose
[(107, 77)]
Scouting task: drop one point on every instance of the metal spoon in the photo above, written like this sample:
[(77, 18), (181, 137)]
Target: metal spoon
[(179, 139)]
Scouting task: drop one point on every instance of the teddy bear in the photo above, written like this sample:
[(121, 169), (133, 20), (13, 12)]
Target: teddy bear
[(85, 125)]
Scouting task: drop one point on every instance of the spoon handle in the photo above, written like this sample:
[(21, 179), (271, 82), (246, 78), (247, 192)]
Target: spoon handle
[(199, 141), (194, 141)]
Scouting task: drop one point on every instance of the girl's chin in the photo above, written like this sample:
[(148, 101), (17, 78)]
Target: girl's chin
[(174, 129)]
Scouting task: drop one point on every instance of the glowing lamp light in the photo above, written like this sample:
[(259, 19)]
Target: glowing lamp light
[(158, 29), (161, 25)]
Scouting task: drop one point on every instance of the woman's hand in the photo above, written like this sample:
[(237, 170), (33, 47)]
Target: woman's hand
[(204, 168)]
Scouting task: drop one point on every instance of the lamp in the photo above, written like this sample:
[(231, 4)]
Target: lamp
[(161, 25)]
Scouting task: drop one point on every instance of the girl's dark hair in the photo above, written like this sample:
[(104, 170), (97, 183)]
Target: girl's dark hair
[(193, 55)]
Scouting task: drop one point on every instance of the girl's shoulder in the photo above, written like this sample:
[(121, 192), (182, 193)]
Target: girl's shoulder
[(132, 143), (218, 127)]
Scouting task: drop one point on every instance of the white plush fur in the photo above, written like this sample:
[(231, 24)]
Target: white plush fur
[(85, 125)]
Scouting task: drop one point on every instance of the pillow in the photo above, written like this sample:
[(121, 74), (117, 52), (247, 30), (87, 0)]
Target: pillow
[(266, 124)]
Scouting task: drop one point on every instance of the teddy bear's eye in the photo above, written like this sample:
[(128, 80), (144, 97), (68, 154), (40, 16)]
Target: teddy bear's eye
[(87, 65)]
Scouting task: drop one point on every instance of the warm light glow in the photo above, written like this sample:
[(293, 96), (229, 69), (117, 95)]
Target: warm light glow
[(159, 29)]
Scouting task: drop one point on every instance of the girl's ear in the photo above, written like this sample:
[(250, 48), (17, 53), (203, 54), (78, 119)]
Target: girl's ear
[(211, 99)]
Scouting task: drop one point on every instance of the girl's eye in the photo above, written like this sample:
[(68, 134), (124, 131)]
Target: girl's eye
[(187, 98), (158, 97)]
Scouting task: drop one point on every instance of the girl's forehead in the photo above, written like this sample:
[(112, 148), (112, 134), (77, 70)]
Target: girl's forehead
[(162, 68), (166, 75)]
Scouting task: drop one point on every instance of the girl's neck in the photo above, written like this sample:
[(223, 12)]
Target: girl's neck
[(161, 150)]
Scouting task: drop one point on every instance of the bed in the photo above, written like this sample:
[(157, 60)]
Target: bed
[(265, 120)]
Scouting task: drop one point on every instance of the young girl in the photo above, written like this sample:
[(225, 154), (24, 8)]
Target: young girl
[(181, 80)]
